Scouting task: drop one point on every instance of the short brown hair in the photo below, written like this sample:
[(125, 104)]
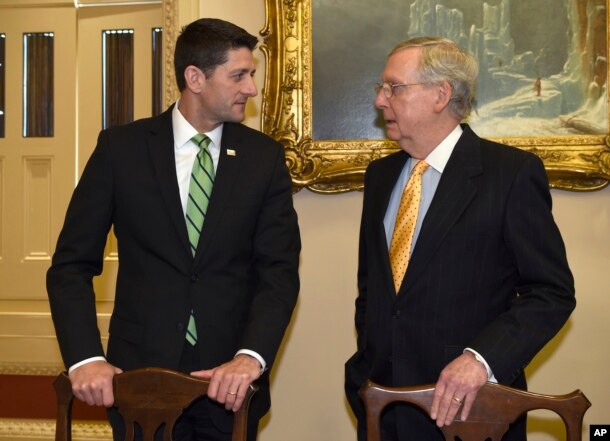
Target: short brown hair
[(205, 42)]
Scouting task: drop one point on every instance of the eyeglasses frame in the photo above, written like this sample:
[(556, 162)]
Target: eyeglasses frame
[(379, 87)]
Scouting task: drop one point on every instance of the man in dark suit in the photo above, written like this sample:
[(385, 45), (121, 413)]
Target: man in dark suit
[(238, 277), (486, 283)]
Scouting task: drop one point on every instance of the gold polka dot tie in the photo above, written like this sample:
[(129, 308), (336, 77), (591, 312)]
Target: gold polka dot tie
[(406, 218)]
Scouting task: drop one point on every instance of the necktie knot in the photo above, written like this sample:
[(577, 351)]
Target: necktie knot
[(419, 168), (202, 140)]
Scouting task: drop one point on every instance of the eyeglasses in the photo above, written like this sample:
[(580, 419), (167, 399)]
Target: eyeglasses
[(388, 88)]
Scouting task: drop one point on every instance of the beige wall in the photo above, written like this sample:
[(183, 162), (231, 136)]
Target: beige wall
[(307, 391)]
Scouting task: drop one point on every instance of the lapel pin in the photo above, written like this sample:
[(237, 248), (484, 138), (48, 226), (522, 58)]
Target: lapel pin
[(231, 152)]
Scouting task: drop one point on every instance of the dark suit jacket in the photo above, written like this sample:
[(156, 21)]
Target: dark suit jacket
[(488, 272), (242, 284)]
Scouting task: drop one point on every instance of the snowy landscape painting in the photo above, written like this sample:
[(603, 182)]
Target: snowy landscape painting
[(542, 84), (543, 63)]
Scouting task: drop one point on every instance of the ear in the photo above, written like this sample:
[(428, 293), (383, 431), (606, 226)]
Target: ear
[(194, 78), (444, 93)]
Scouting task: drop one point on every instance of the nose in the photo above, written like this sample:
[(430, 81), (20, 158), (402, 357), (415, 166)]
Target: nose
[(250, 87), (380, 100)]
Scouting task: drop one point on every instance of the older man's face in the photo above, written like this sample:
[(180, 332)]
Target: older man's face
[(409, 113)]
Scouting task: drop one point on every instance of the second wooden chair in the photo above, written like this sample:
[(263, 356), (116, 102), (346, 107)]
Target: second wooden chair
[(494, 408)]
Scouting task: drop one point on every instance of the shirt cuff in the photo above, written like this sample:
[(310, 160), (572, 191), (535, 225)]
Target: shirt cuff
[(478, 357), (255, 355), (87, 360)]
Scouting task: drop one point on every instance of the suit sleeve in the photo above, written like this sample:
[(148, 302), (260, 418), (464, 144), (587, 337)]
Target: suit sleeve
[(545, 287), (361, 300), (277, 246), (356, 370), (78, 258)]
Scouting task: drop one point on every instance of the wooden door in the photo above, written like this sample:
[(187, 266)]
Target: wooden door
[(37, 169), (39, 173)]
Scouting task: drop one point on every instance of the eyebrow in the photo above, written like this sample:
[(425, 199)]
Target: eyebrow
[(241, 71)]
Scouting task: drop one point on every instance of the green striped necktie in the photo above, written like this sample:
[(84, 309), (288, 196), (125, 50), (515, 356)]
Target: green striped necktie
[(200, 191)]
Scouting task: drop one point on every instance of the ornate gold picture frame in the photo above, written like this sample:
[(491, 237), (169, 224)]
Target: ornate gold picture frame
[(578, 163)]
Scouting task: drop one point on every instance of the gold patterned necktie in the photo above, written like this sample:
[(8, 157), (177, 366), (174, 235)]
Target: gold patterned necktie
[(406, 219), (200, 191)]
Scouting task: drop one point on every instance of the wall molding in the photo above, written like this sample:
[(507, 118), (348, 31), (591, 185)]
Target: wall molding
[(36, 430), (24, 368)]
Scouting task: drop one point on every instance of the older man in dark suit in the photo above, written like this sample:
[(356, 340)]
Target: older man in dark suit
[(207, 236), (462, 273)]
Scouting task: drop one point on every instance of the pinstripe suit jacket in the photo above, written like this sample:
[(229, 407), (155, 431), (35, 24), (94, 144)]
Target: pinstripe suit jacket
[(489, 271)]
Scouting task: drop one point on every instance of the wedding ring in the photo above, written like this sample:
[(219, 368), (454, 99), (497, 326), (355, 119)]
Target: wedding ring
[(457, 400)]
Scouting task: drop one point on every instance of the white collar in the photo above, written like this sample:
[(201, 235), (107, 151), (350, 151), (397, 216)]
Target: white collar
[(439, 157), (184, 131)]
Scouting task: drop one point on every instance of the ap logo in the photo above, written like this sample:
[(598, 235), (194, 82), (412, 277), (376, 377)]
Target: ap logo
[(599, 432)]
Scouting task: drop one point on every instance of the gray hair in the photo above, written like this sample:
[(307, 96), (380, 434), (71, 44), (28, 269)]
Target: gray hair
[(443, 60)]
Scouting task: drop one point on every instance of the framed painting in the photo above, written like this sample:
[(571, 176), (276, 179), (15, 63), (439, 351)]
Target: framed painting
[(540, 88)]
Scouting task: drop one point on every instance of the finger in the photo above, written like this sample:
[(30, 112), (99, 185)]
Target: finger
[(205, 374), (87, 393), (231, 394), (443, 409), (446, 405), (229, 401), (237, 405), (228, 388), (439, 390), (96, 394), (231, 398), (227, 391), (83, 396), (468, 403), (241, 395), (456, 403), (213, 389), (107, 396)]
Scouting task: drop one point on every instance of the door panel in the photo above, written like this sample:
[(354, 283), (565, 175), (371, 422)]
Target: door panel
[(91, 23), (37, 172)]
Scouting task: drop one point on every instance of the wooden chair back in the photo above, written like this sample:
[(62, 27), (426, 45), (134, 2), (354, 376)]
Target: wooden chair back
[(493, 410), (149, 397)]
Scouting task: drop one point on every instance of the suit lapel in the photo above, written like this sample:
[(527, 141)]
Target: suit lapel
[(161, 149), (454, 193), (381, 199), (227, 173)]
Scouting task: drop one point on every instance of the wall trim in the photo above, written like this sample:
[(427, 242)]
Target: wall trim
[(25, 430), (24, 368)]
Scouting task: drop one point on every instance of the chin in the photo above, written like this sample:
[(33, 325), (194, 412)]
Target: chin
[(392, 135), (236, 118)]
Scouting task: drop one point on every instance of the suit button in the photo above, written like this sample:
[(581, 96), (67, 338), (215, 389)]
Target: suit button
[(194, 278), (180, 327), (397, 313)]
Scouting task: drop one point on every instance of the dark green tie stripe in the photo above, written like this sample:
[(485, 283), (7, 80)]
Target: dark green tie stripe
[(193, 224), (194, 202), (196, 181), (190, 337)]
